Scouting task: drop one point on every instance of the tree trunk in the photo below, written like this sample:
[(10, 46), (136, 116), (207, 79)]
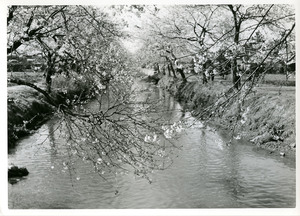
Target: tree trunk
[(164, 70), (172, 69), (235, 77), (237, 25), (49, 79), (204, 78), (158, 70), (49, 71), (170, 66), (169, 69), (180, 71)]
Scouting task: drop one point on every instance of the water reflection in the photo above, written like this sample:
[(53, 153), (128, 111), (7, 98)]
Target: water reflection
[(206, 173), (52, 140)]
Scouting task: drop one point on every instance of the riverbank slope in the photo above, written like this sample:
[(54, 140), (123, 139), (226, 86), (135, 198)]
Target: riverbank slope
[(266, 117), (27, 109)]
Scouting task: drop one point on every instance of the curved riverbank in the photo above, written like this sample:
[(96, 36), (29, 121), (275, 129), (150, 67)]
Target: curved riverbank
[(26, 110), (205, 172), (266, 118)]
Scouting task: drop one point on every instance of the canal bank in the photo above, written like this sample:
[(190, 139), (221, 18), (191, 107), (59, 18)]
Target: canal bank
[(28, 109), (205, 173), (266, 117)]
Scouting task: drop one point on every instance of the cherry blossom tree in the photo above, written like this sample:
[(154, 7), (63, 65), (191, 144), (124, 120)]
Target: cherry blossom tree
[(83, 44)]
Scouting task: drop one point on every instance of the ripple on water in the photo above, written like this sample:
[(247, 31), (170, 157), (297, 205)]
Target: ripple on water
[(206, 174)]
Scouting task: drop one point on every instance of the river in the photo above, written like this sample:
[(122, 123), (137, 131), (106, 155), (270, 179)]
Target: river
[(206, 173)]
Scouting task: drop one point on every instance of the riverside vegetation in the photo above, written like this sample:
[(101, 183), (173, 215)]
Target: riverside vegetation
[(266, 117), (28, 109), (83, 52)]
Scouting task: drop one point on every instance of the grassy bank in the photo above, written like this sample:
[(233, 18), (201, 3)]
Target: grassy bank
[(27, 108), (266, 117)]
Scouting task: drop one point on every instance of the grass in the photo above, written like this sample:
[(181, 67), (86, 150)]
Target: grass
[(267, 115), (279, 80), (279, 77), (26, 111), (272, 105), (271, 79), (27, 108), (33, 77)]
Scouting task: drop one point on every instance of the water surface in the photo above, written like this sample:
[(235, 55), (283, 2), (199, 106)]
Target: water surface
[(206, 173)]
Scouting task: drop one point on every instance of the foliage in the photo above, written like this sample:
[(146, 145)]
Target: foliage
[(86, 60), (243, 34), (83, 52)]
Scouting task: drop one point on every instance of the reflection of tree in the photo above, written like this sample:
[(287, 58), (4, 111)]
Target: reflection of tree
[(51, 138), (229, 163), (233, 178), (171, 108), (204, 147), (171, 103)]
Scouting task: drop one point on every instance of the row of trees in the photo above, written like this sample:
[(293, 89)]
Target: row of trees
[(69, 38), (243, 35), (85, 43)]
